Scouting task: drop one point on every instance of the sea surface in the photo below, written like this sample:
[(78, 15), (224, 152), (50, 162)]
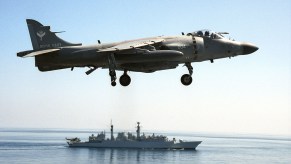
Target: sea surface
[(49, 146)]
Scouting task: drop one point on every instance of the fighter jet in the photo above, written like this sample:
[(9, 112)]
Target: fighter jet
[(141, 55)]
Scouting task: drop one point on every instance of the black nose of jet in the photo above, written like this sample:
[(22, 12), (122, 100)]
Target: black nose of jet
[(249, 48)]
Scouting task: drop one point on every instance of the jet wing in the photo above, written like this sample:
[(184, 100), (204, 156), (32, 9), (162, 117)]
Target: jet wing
[(142, 56), (132, 45), (36, 53)]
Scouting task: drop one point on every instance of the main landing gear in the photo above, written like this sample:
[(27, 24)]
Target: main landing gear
[(124, 79), (186, 79)]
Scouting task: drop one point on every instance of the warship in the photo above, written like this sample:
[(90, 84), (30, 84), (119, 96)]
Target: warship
[(129, 140)]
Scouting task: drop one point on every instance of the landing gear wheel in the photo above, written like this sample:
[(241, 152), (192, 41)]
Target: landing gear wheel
[(113, 83), (186, 79), (124, 80)]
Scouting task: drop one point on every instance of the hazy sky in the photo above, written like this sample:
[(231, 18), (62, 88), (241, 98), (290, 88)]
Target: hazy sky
[(247, 94)]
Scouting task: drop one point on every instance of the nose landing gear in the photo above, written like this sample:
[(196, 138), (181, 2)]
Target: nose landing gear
[(186, 79)]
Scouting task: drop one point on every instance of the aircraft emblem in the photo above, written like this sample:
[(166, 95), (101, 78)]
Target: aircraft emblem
[(40, 34)]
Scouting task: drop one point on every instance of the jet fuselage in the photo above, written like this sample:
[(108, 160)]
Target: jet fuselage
[(202, 49)]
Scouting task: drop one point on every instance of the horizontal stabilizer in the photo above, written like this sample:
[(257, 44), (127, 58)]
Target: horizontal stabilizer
[(36, 53)]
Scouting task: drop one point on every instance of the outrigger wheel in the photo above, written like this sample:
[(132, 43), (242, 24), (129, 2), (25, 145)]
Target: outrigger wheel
[(113, 83), (113, 78), (112, 66)]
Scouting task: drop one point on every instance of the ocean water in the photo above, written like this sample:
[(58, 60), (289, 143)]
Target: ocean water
[(49, 146)]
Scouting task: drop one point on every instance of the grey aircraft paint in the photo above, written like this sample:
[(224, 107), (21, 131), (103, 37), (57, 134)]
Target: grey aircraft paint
[(141, 55)]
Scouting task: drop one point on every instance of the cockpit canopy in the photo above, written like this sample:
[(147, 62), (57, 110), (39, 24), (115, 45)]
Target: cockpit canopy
[(208, 33)]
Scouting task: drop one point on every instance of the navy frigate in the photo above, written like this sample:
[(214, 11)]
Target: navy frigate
[(129, 140)]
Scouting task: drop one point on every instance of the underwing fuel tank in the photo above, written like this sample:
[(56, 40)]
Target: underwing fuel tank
[(151, 56), (164, 53)]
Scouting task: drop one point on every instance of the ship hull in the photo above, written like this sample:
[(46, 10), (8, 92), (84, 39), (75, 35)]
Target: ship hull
[(137, 144)]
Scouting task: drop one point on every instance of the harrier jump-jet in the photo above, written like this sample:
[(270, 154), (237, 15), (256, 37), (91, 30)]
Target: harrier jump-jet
[(140, 55)]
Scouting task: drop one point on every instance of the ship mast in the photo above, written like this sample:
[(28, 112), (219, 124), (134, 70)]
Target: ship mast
[(138, 131), (111, 130)]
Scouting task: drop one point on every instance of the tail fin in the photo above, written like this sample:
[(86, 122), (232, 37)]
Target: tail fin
[(42, 38)]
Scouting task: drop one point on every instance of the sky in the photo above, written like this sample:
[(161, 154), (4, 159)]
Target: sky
[(248, 94)]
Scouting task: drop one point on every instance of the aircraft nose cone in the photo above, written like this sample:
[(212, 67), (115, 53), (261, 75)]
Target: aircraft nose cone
[(249, 48)]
